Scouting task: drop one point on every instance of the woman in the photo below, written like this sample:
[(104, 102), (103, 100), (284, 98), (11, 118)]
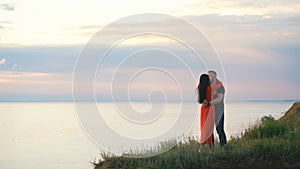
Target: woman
[(207, 117)]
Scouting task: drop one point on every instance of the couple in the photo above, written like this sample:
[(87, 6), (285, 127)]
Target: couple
[(211, 95)]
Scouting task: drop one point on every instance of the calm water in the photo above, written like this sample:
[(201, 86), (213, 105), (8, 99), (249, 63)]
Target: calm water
[(48, 135)]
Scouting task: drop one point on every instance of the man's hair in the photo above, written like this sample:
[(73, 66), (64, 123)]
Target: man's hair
[(212, 71)]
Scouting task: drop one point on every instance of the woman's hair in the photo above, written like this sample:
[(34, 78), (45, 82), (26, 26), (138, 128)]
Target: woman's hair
[(202, 87)]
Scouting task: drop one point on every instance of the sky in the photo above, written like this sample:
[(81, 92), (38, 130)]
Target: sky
[(257, 43)]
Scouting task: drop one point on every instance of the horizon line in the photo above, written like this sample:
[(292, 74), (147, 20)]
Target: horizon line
[(172, 101)]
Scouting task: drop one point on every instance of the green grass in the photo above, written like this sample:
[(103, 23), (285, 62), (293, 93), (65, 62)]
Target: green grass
[(269, 144)]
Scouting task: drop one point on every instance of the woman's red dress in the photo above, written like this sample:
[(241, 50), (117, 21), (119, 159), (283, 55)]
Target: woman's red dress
[(207, 119)]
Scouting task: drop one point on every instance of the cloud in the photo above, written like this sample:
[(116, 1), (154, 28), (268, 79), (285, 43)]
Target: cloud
[(253, 32), (10, 76), (260, 54), (88, 27), (2, 61), (228, 29), (243, 7), (5, 24), (267, 3), (7, 6), (41, 59), (251, 88), (35, 83)]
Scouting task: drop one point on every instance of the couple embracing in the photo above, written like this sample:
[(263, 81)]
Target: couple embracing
[(211, 95)]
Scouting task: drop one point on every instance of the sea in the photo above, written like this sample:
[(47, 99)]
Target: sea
[(51, 135)]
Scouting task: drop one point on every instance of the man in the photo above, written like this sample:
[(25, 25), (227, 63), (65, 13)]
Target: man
[(218, 102)]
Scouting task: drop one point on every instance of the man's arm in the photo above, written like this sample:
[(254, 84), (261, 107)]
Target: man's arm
[(218, 99)]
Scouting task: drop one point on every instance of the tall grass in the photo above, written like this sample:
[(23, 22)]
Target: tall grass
[(269, 144)]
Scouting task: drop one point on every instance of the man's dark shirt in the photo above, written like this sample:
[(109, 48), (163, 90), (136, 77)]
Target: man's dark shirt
[(219, 106)]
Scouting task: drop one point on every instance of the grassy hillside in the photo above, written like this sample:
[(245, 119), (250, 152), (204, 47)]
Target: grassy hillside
[(270, 144), (292, 116)]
